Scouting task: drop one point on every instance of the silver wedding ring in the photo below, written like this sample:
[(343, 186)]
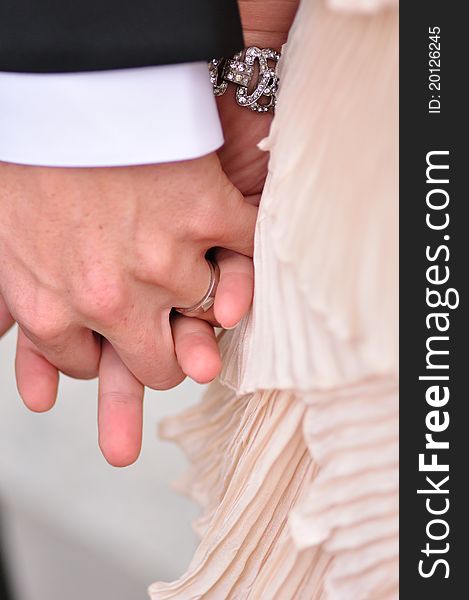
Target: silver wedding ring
[(201, 307)]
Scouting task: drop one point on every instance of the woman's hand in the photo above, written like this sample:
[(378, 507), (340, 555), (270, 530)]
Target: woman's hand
[(266, 24)]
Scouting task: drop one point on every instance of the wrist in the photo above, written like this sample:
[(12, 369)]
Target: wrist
[(266, 23)]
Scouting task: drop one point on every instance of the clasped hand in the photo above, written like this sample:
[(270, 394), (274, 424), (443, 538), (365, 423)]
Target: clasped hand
[(93, 262)]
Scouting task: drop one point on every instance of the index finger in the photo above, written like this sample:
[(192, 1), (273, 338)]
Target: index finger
[(238, 219), (120, 410)]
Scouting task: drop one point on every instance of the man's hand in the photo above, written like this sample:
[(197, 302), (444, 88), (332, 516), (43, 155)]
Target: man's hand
[(120, 398), (111, 251)]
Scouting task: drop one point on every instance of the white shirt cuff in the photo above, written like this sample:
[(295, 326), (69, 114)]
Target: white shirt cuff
[(108, 118)]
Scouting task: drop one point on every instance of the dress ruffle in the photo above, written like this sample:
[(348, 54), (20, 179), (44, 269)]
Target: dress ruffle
[(325, 310), (361, 6), (276, 522), (294, 451)]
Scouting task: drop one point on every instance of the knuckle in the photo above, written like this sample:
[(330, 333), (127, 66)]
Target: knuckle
[(43, 323), (118, 398), (101, 298), (156, 266)]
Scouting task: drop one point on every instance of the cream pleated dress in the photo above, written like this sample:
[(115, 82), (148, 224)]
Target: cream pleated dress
[(294, 451)]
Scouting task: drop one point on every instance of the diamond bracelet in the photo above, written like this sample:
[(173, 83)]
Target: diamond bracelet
[(260, 95)]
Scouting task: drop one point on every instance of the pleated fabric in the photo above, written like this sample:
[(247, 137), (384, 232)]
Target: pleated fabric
[(294, 451)]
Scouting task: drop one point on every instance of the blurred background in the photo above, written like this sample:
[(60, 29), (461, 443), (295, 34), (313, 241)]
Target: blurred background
[(73, 527)]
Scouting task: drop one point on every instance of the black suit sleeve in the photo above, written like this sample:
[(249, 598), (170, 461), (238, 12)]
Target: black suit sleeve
[(41, 36)]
